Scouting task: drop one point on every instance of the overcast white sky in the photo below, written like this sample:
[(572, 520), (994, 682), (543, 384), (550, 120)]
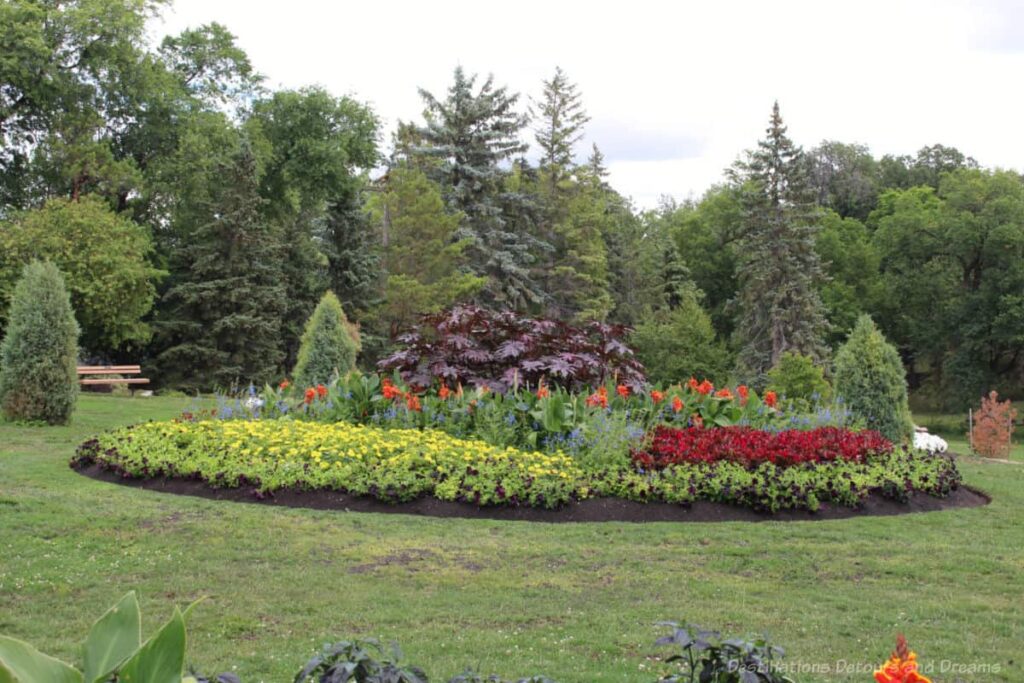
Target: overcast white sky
[(675, 89)]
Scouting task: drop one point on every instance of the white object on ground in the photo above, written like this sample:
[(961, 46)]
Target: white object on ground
[(923, 441)]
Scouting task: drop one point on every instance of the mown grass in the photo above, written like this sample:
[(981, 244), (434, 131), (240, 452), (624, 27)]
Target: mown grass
[(577, 602)]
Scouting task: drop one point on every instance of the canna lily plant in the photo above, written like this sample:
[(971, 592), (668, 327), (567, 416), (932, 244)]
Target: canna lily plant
[(114, 649)]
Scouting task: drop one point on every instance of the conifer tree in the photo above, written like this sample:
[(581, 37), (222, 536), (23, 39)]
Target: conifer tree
[(466, 138), (421, 257), (678, 285), (39, 353), (222, 324), (329, 345), (779, 269), (559, 118), (870, 377)]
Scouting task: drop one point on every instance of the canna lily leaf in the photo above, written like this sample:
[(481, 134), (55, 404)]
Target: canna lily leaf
[(113, 638), (22, 663), (162, 658)]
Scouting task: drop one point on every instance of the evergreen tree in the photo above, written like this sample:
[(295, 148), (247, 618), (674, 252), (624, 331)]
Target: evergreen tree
[(38, 357), (559, 117), (222, 324), (870, 377), (421, 257), (779, 269), (329, 345), (595, 162), (678, 285), (354, 268), (467, 136)]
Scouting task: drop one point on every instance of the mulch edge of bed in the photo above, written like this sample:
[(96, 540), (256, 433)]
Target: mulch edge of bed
[(589, 510)]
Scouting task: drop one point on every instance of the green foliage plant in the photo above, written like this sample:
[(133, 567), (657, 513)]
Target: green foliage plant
[(329, 345), (39, 353), (870, 378), (113, 650), (797, 377)]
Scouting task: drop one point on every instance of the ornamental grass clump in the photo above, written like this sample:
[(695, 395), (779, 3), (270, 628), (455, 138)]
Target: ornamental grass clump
[(38, 357), (870, 377), (329, 345)]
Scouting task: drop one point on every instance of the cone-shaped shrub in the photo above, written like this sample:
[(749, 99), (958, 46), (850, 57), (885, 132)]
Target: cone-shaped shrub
[(329, 344), (38, 379), (869, 376)]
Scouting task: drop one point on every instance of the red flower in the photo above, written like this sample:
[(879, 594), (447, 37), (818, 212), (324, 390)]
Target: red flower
[(744, 393), (444, 392), (771, 399), (752, 447), (284, 384), (412, 402), (724, 393), (657, 396), (693, 383), (622, 390), (705, 388), (677, 404), (321, 391), (310, 395)]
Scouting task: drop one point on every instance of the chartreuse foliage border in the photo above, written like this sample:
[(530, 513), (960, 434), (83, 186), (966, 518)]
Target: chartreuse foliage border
[(398, 465), (575, 601)]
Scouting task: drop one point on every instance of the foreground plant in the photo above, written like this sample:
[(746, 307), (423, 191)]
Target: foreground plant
[(113, 650), (706, 657)]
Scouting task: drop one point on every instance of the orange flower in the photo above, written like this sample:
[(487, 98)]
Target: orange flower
[(677, 404), (321, 391), (693, 383), (389, 390), (412, 402), (705, 388), (310, 395), (598, 398), (622, 390), (901, 667), (444, 392), (542, 391), (771, 399), (657, 397), (284, 384), (744, 393), (724, 393)]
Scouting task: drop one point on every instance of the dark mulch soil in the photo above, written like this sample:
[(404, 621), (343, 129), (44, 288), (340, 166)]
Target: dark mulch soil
[(590, 510)]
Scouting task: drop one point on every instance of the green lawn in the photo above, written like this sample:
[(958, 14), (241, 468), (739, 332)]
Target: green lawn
[(577, 602)]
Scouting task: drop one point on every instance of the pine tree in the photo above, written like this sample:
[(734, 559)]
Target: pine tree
[(467, 136), (38, 378), (329, 345), (559, 117), (222, 324), (596, 163), (779, 270), (354, 271), (678, 285)]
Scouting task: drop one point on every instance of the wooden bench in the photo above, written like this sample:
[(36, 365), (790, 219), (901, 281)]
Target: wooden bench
[(111, 370)]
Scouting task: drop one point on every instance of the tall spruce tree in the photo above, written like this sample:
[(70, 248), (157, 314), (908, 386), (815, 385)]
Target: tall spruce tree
[(559, 118), (469, 135), (778, 269), (222, 323)]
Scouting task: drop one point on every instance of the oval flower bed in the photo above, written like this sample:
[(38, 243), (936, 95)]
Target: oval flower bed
[(400, 465)]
